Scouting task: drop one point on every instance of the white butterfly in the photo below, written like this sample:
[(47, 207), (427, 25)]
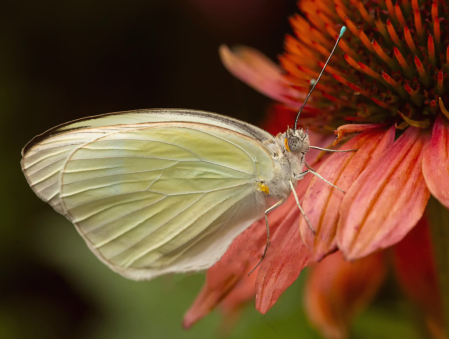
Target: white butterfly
[(160, 191)]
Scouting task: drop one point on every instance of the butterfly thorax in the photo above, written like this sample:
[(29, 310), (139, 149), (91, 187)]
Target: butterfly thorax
[(288, 152)]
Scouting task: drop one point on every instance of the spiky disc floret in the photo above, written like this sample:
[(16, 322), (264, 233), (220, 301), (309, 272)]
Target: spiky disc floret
[(391, 66)]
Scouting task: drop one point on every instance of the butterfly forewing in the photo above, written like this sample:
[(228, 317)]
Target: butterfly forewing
[(44, 156)]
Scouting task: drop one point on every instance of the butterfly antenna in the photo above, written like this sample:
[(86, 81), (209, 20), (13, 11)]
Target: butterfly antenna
[(312, 82)]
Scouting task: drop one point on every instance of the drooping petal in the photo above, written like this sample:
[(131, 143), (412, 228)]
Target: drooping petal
[(322, 201), (233, 304), (337, 290), (436, 161), (240, 258), (259, 72), (415, 268), (386, 200), (240, 294), (207, 300)]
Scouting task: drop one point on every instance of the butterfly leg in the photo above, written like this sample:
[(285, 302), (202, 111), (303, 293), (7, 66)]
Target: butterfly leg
[(308, 166), (327, 150), (276, 205), (300, 208), (301, 175)]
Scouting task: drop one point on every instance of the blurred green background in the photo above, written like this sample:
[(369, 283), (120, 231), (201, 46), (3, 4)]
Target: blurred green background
[(63, 60)]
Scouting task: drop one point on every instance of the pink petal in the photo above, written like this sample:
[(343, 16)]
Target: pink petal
[(259, 72), (436, 161), (386, 200), (417, 274), (337, 290), (353, 128), (322, 201), (286, 258)]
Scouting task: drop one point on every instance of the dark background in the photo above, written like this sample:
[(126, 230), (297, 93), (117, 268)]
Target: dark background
[(63, 60)]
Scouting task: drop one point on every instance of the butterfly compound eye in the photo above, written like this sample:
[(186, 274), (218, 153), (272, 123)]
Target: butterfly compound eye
[(295, 144)]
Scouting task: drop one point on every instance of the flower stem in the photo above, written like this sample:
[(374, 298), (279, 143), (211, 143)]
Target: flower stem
[(439, 224)]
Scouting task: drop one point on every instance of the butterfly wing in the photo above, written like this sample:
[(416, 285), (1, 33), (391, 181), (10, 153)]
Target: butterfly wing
[(157, 197)]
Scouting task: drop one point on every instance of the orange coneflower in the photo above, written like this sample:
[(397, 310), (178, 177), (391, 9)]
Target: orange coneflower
[(388, 81)]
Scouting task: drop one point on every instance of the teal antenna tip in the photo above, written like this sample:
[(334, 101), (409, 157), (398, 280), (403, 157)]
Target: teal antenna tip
[(342, 31)]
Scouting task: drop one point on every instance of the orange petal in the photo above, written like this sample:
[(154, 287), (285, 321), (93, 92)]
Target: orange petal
[(336, 290), (420, 124), (322, 201), (386, 200), (353, 128), (436, 162), (259, 72), (416, 272)]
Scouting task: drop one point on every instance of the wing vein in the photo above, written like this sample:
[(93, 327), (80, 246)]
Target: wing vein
[(174, 235), (209, 191), (66, 195), (43, 189), (200, 160), (161, 142), (141, 222), (48, 165), (45, 178), (124, 215), (42, 159), (109, 196), (235, 145), (110, 175), (201, 235), (111, 206)]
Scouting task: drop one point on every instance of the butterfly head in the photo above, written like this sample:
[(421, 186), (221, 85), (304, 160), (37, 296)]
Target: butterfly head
[(297, 141)]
